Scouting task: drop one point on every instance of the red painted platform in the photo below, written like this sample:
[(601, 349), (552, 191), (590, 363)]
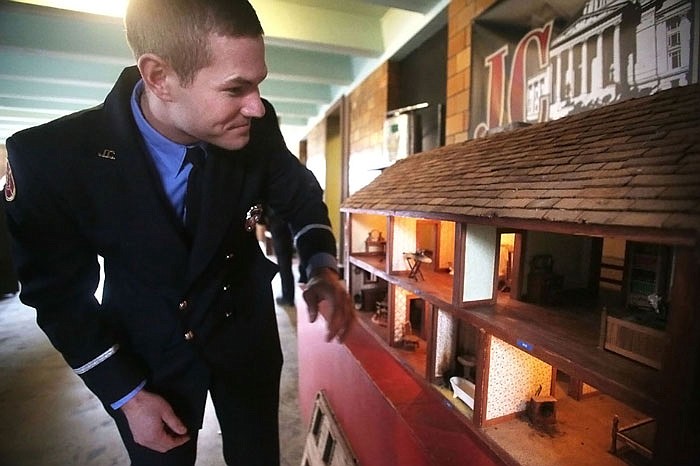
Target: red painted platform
[(388, 415)]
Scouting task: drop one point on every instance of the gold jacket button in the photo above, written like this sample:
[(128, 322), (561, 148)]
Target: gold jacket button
[(189, 335), (183, 305)]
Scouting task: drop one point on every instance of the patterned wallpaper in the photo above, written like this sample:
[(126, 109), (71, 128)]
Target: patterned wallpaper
[(514, 377), (445, 343), (400, 311)]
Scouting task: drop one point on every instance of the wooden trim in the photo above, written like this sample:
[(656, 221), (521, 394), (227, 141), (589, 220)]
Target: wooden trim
[(430, 326), (496, 265), (680, 375), (389, 244), (458, 280), (516, 285), (347, 241), (644, 234), (391, 311), (553, 382), (504, 418), (480, 302), (483, 360)]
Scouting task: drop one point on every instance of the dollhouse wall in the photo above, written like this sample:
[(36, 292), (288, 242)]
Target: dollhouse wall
[(445, 343), (401, 298), (361, 226), (447, 244), (479, 262), (513, 377), (404, 241)]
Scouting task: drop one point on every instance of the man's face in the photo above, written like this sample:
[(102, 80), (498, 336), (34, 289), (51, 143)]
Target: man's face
[(223, 97)]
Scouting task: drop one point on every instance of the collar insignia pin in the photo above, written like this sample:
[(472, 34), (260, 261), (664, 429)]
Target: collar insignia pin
[(107, 154)]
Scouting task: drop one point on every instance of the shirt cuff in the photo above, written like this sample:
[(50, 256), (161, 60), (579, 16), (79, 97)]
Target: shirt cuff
[(321, 259), (119, 403)]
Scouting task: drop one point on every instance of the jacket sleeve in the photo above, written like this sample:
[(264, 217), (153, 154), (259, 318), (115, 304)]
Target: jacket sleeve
[(295, 195), (307, 215), (59, 270)]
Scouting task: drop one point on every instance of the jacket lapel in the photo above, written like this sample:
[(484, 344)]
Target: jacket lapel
[(142, 181), (224, 178)]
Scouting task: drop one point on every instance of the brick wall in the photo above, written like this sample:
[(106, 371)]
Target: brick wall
[(460, 16), (369, 103), (316, 143)]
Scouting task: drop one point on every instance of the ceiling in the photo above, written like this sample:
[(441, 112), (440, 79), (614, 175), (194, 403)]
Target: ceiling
[(54, 61)]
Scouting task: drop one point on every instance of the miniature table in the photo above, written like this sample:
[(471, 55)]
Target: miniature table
[(414, 261)]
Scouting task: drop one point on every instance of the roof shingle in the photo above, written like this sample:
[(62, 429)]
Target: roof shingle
[(632, 164)]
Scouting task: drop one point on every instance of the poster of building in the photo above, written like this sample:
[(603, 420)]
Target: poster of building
[(540, 60)]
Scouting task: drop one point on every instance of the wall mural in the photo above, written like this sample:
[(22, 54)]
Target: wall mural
[(537, 65)]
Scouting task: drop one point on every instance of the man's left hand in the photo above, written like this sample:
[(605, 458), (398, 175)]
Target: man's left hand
[(326, 288)]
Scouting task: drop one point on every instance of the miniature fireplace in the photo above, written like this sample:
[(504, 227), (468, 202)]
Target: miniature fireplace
[(416, 313)]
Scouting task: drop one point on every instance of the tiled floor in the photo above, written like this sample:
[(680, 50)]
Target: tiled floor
[(49, 418)]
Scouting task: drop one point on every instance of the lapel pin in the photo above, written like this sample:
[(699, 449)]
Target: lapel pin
[(253, 216), (107, 154)]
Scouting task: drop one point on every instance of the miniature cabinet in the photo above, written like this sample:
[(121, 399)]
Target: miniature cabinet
[(647, 271)]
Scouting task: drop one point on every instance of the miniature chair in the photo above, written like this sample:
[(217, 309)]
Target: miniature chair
[(409, 340)]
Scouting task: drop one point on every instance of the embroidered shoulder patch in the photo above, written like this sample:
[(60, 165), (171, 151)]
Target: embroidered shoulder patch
[(10, 188)]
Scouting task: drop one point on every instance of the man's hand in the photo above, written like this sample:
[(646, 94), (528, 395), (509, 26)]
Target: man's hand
[(326, 286), (153, 423)]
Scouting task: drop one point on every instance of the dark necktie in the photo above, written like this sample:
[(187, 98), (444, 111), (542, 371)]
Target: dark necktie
[(193, 196)]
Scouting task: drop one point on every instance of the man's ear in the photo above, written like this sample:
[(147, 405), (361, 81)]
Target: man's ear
[(157, 75)]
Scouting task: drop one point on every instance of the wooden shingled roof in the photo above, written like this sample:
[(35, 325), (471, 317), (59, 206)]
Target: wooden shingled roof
[(631, 164)]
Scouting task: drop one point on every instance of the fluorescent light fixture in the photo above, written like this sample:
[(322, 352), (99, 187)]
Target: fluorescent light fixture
[(114, 8)]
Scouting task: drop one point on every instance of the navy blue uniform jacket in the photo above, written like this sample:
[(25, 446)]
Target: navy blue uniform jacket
[(84, 186)]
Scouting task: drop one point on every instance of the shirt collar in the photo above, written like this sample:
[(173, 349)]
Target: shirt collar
[(168, 155)]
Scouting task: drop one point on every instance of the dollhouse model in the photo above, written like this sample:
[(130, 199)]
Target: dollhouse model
[(543, 276)]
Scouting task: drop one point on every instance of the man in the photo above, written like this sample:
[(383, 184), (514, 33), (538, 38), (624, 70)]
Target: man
[(187, 306), (283, 247)]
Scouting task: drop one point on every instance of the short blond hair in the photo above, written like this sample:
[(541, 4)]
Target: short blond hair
[(178, 30)]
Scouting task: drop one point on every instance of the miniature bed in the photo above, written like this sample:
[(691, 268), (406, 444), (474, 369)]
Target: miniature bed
[(633, 340)]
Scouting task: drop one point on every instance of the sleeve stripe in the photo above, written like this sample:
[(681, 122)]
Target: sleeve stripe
[(97, 361), (308, 228)]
